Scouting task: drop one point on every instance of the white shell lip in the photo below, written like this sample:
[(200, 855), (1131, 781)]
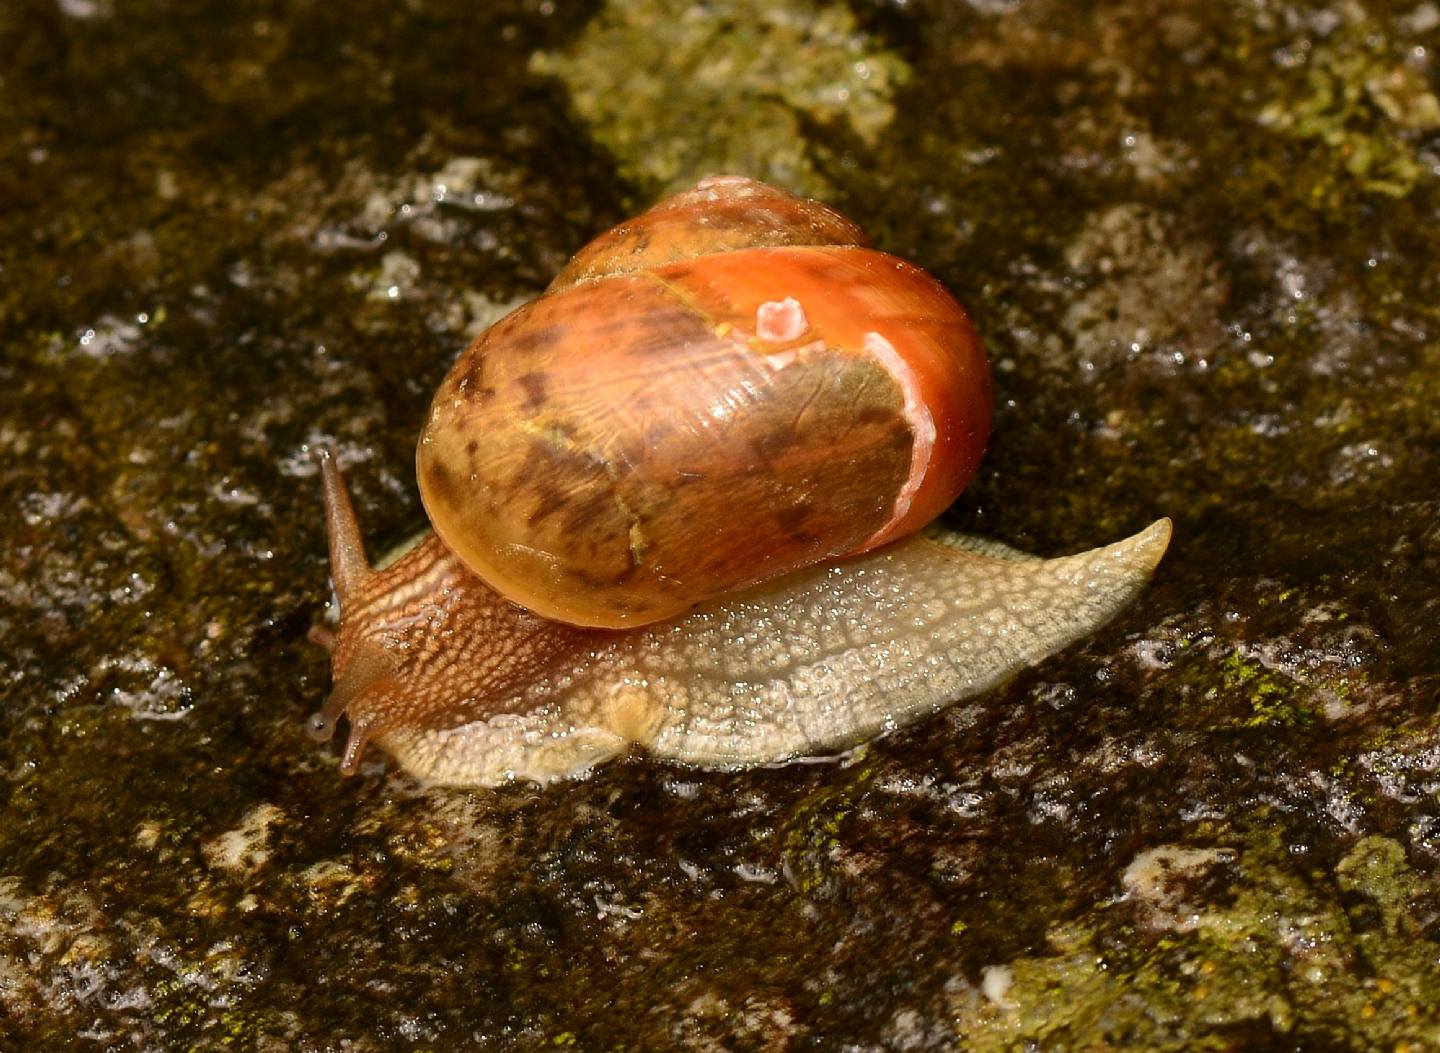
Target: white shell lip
[(922, 428)]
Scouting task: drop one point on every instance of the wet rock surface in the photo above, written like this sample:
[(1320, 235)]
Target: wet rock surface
[(1199, 240)]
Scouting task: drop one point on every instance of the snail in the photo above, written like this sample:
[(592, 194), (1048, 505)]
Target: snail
[(677, 503)]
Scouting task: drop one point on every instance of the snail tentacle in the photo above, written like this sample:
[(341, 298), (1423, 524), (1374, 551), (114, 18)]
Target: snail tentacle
[(349, 568), (363, 671)]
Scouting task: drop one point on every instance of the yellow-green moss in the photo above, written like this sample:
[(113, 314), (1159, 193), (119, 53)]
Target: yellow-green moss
[(678, 90), (1280, 951)]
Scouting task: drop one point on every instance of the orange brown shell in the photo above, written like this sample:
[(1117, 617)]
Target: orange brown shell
[(720, 214), (667, 425)]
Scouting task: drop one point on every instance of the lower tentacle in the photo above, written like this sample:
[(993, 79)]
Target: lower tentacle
[(361, 731), (360, 693), (365, 712)]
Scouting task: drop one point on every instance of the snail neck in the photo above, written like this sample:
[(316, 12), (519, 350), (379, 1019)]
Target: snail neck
[(423, 642), (427, 644)]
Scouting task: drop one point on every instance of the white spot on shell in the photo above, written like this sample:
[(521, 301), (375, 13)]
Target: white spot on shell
[(781, 321)]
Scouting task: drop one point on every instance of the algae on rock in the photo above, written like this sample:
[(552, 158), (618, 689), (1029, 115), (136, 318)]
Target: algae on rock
[(677, 90), (1209, 945)]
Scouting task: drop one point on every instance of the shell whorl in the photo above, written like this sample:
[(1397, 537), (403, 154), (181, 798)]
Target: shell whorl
[(588, 454)]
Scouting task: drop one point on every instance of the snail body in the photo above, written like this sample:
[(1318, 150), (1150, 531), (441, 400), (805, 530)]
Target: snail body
[(675, 501)]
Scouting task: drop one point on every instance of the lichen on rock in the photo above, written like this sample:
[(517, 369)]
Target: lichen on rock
[(677, 90)]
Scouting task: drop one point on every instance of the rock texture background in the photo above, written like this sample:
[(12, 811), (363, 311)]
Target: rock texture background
[(1201, 241)]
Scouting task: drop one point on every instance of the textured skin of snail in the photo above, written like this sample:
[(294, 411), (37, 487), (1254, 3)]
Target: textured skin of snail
[(463, 687), (696, 454)]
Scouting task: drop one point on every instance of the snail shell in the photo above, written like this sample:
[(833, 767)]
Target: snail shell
[(667, 496), (726, 389)]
